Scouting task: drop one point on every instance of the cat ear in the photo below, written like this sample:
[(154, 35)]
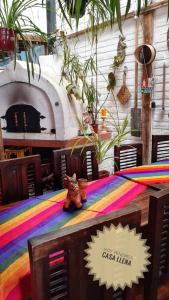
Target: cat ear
[(74, 176)]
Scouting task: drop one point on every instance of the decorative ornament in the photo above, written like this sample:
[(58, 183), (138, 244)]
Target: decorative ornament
[(76, 194), (124, 93), (104, 116), (147, 85), (117, 257), (112, 81), (121, 52)]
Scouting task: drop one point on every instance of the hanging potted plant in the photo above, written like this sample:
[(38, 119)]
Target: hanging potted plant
[(14, 25), (76, 8)]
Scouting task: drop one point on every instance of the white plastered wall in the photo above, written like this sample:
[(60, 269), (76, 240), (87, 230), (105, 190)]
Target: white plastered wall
[(45, 94)]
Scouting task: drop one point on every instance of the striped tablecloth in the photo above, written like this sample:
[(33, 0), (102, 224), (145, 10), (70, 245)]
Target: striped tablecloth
[(24, 219), (148, 174)]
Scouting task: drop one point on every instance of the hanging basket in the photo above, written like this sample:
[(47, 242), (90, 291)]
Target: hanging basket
[(71, 7), (145, 54), (7, 38)]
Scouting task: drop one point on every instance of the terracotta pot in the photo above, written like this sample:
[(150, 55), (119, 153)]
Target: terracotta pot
[(95, 127), (103, 173), (7, 37)]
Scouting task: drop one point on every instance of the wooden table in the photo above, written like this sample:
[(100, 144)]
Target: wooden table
[(154, 176), (41, 214), (35, 216)]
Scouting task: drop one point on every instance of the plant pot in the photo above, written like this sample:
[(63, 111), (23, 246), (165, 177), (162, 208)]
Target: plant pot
[(71, 7), (95, 127), (7, 37), (103, 173)]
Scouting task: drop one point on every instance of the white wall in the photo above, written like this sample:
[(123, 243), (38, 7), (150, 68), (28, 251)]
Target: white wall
[(160, 118), (107, 49)]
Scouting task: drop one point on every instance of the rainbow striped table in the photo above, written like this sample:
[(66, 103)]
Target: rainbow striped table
[(24, 219), (148, 174)]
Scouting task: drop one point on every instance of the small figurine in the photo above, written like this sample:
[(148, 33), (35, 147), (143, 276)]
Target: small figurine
[(76, 192)]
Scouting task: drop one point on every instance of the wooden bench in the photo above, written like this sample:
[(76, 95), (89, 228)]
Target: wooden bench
[(57, 260), (81, 161), (127, 156), (20, 178)]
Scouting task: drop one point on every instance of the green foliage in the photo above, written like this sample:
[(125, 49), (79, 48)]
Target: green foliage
[(12, 16), (100, 11), (103, 146), (76, 74)]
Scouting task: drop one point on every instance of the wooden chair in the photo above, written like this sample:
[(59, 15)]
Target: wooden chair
[(127, 156), (160, 147), (20, 178), (81, 161), (57, 260), (158, 239), (47, 176)]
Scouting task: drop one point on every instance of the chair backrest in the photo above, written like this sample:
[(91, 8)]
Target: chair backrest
[(127, 156), (160, 147), (20, 178), (81, 161), (158, 239), (57, 259)]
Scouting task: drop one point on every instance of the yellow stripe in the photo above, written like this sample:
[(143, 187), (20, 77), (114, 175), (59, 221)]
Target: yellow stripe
[(23, 217), (85, 215), (113, 196), (146, 179)]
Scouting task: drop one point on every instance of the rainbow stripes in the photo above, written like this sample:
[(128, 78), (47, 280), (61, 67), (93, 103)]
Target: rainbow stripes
[(42, 214), (148, 174)]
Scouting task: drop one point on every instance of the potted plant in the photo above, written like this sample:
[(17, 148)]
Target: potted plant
[(14, 25), (76, 75), (76, 7), (103, 146), (110, 10)]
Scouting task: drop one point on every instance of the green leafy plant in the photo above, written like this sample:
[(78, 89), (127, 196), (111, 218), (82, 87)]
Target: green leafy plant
[(12, 16), (76, 74), (104, 9), (103, 146)]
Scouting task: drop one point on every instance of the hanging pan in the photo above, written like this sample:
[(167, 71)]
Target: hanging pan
[(145, 54)]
